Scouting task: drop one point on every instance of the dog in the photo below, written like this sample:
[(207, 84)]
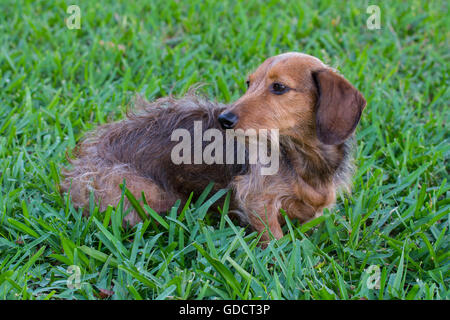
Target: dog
[(314, 109)]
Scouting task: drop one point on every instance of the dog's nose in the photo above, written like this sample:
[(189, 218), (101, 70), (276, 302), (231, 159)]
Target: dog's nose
[(228, 120)]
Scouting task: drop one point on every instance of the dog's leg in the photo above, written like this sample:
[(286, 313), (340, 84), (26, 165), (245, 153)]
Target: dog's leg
[(261, 205), (156, 198), (264, 219), (105, 183)]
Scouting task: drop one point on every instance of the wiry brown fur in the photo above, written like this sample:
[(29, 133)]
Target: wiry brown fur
[(138, 149), (316, 119)]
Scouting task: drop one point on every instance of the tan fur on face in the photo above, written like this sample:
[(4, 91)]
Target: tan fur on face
[(258, 108)]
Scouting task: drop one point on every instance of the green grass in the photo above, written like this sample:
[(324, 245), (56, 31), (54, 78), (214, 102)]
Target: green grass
[(56, 84)]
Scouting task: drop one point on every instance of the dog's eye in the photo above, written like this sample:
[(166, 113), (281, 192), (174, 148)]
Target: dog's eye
[(278, 88)]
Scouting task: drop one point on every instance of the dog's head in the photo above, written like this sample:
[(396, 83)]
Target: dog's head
[(299, 95)]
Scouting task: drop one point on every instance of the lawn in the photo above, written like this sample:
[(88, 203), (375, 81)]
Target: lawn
[(389, 239)]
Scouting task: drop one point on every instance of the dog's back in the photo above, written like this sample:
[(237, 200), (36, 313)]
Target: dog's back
[(138, 149)]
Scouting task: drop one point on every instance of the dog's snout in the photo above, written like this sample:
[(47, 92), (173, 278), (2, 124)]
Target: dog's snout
[(228, 120)]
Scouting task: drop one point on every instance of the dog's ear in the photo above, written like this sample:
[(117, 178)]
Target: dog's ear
[(339, 106)]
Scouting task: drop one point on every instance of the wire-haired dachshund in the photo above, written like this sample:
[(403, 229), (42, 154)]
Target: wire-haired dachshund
[(314, 110)]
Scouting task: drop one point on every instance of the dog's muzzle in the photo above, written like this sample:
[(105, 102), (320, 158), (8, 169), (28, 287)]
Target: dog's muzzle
[(228, 120)]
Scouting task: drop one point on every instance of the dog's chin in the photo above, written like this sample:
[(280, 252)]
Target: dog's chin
[(245, 130), (248, 127)]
